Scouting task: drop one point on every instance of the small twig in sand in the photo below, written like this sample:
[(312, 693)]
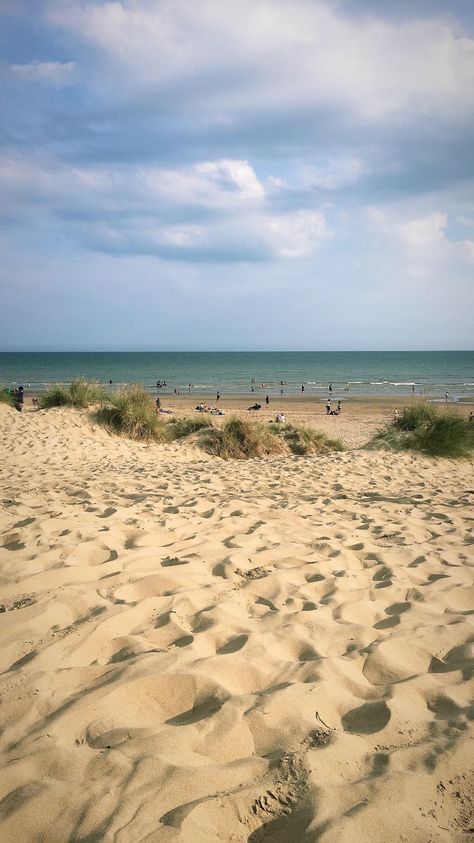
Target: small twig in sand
[(318, 717)]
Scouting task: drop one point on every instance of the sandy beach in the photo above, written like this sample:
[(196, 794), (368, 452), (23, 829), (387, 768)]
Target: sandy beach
[(200, 651)]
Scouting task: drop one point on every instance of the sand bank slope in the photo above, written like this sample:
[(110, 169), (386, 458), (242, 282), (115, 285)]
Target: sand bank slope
[(205, 651)]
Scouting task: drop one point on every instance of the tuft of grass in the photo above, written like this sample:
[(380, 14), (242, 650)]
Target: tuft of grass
[(6, 397), (179, 428), (431, 431), (131, 413), (79, 393), (240, 439), (302, 440)]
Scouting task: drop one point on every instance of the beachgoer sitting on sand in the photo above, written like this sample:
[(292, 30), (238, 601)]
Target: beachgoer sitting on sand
[(255, 407), (280, 417)]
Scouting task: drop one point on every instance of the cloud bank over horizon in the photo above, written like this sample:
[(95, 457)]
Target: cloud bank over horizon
[(220, 175)]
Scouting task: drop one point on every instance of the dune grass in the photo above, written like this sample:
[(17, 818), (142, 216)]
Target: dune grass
[(240, 439), (243, 439), (302, 440), (79, 393), (180, 428), (130, 412), (6, 397), (430, 430)]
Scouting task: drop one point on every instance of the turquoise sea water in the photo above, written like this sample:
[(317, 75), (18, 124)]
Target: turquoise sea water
[(351, 373)]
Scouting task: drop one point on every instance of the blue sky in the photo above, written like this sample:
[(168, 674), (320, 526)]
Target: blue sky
[(236, 174)]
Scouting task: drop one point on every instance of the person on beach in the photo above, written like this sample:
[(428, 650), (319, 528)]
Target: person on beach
[(446, 397), (471, 417), (328, 407), (20, 399), (339, 408), (218, 396), (395, 415), (330, 387), (267, 400), (302, 389), (255, 407), (158, 405)]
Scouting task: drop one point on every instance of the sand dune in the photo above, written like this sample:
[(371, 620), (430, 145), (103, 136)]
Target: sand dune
[(202, 651)]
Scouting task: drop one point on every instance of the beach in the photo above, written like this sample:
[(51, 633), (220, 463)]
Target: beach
[(198, 651)]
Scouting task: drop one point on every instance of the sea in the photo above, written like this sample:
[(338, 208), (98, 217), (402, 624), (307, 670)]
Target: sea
[(358, 373)]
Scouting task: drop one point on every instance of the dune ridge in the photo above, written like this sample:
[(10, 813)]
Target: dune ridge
[(204, 651)]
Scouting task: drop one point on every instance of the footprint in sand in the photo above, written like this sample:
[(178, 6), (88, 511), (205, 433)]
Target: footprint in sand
[(233, 645), (367, 718)]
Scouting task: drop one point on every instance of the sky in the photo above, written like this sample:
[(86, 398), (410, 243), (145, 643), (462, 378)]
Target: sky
[(236, 174)]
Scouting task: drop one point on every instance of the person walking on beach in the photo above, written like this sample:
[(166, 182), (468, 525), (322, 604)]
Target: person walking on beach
[(330, 387), (446, 397), (218, 396), (267, 400), (328, 407), (158, 405), (302, 389)]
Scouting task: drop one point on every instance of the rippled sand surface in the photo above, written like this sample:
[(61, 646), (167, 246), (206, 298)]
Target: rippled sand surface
[(202, 651)]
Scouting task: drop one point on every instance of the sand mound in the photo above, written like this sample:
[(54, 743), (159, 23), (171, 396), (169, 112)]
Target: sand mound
[(201, 651)]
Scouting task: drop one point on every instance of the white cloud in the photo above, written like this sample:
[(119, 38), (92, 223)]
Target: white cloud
[(424, 243), (253, 54), (217, 209), (50, 72)]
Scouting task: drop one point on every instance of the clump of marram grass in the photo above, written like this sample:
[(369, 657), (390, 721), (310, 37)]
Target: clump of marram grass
[(79, 393), (6, 397), (179, 428), (131, 413), (431, 431), (302, 440), (240, 439)]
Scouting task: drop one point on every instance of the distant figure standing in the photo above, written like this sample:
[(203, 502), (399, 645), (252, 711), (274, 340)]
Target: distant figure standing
[(328, 406), (413, 389), (189, 388), (302, 388), (281, 391), (395, 415), (330, 387), (20, 399), (267, 400), (252, 389), (158, 405), (218, 396), (110, 382), (446, 397)]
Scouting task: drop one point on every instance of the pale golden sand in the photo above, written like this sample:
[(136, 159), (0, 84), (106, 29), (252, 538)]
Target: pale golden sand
[(202, 651)]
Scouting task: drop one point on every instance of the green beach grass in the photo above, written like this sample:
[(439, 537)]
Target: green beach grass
[(429, 430), (6, 397), (79, 393), (243, 439)]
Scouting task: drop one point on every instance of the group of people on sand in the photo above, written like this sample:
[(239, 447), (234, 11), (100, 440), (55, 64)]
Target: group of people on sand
[(214, 411), (330, 411)]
